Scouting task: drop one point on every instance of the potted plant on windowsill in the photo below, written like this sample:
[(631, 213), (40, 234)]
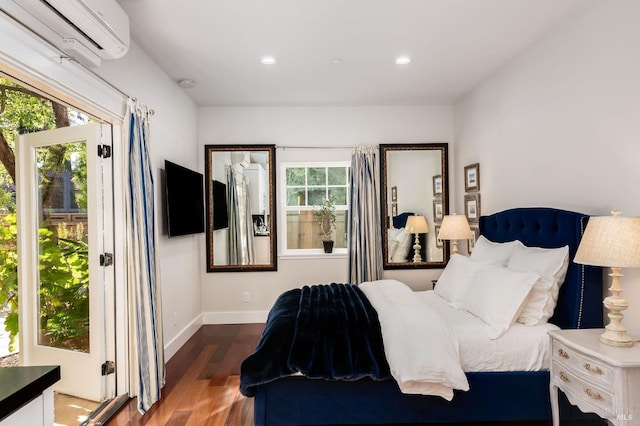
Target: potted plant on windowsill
[(325, 215)]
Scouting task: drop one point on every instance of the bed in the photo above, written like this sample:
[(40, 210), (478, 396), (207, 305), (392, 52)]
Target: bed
[(492, 396)]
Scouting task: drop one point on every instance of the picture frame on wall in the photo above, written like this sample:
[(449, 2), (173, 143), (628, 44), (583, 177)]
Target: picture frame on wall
[(472, 177), (471, 243), (394, 194), (438, 211), (472, 207), (394, 209), (437, 185), (476, 232), (438, 240)]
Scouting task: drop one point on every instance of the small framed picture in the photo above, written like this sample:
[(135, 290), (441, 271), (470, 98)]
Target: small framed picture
[(438, 240), (472, 177), (394, 209), (437, 185), (394, 194), (438, 211), (472, 207), (471, 243)]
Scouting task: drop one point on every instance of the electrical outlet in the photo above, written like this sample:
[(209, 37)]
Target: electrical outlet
[(175, 319), (245, 297)]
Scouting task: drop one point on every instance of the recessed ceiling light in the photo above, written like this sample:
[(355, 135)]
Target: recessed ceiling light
[(186, 83), (402, 60), (336, 60), (268, 60)]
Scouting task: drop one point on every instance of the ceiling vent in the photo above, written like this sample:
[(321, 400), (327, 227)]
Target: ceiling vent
[(87, 30)]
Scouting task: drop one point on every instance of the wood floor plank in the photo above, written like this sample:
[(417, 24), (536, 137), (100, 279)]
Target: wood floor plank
[(224, 403), (182, 396)]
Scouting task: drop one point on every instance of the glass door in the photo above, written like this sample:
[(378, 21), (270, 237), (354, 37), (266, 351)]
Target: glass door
[(62, 261)]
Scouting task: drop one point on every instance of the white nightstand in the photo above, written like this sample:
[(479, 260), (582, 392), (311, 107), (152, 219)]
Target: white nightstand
[(595, 377)]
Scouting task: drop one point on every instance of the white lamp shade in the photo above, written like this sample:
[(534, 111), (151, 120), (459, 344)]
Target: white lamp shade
[(611, 241), (455, 227), (416, 225)]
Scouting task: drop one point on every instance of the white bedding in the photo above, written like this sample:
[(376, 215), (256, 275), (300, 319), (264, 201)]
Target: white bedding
[(429, 345), (420, 346), (521, 348)]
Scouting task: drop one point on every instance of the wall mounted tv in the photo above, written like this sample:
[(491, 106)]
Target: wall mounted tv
[(185, 200), (220, 213)]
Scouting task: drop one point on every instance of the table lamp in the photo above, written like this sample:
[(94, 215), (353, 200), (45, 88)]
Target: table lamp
[(416, 225), (612, 241), (455, 227)]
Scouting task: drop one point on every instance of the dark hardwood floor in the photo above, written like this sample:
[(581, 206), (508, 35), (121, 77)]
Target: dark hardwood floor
[(203, 379)]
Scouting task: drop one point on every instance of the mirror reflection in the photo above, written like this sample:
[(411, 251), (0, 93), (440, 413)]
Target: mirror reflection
[(240, 207), (414, 202)]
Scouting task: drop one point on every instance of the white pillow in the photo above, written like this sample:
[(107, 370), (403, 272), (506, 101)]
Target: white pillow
[(457, 277), (485, 249), (496, 296), (404, 245), (552, 265), (392, 242)]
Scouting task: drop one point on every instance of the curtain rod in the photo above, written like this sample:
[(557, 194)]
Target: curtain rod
[(284, 147)]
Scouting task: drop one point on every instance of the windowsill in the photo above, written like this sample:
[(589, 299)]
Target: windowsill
[(314, 255)]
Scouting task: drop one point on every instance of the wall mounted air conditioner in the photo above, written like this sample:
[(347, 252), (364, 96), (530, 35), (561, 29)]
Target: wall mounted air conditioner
[(87, 30)]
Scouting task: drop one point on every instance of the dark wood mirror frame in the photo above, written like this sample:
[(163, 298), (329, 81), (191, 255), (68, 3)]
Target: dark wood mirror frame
[(388, 191), (210, 176)]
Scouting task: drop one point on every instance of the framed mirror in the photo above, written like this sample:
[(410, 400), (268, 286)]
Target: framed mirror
[(241, 208), (414, 199)]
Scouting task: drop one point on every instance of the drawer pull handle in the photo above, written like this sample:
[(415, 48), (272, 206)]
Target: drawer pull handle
[(593, 395), (563, 354), (564, 377), (594, 370)]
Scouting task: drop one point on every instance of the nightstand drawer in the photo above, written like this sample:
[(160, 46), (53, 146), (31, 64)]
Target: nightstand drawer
[(582, 365), (579, 390)]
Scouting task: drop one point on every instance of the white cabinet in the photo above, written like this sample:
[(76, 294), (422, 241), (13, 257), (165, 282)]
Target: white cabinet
[(26, 395), (597, 378), (37, 412)]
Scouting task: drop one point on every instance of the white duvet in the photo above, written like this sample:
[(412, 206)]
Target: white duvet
[(430, 345), (422, 349)]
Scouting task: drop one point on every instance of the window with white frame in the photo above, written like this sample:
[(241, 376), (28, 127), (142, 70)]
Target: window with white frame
[(306, 186)]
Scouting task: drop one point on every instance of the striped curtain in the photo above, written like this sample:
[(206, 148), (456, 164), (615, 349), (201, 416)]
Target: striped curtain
[(365, 241), (148, 369)]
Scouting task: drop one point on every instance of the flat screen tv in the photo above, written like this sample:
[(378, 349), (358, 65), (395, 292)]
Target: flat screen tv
[(185, 200), (220, 214)]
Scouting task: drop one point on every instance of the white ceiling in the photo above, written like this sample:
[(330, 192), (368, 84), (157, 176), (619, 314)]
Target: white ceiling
[(453, 44)]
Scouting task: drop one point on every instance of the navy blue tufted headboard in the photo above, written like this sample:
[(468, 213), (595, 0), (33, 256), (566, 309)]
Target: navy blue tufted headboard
[(580, 300)]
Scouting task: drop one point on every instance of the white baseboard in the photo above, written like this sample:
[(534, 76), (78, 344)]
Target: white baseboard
[(185, 334), (238, 317)]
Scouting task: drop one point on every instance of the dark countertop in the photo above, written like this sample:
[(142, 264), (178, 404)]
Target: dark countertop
[(20, 385)]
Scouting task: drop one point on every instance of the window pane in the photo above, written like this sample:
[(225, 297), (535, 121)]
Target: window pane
[(339, 195), (296, 197), (295, 176), (317, 196), (317, 176), (337, 175), (303, 232)]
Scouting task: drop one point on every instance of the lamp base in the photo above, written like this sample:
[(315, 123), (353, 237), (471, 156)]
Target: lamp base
[(416, 250), (615, 333), (612, 340)]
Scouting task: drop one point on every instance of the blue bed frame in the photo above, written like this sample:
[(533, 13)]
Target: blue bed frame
[(496, 396)]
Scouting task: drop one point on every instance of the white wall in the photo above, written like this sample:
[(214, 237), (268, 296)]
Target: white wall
[(306, 126), (173, 137), (560, 126)]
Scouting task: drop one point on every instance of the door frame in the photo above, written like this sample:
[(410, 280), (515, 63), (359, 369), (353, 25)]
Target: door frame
[(27, 59)]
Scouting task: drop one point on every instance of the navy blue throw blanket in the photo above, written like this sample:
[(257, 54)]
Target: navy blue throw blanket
[(326, 332)]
